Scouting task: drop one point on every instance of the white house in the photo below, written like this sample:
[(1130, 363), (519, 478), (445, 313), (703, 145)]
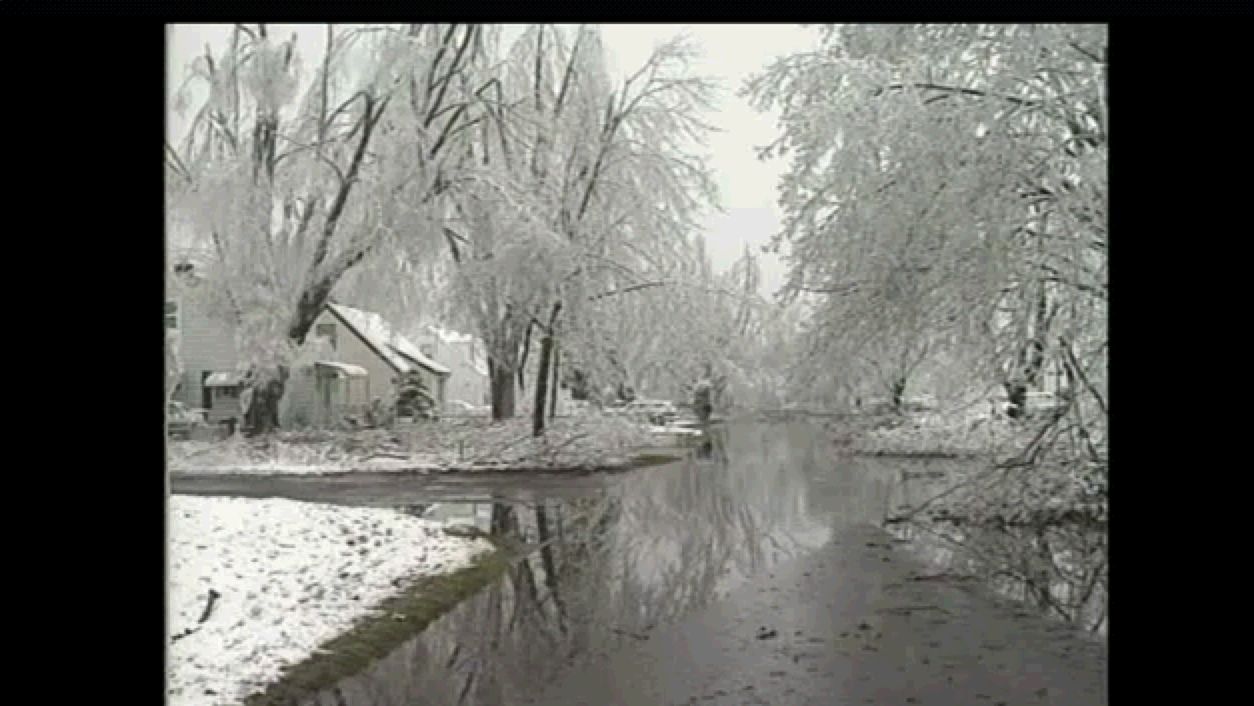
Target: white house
[(362, 358), (467, 362)]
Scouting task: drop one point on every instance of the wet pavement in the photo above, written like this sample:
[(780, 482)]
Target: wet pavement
[(854, 623), (756, 574)]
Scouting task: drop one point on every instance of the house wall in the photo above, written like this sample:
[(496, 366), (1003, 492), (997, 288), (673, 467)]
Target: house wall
[(299, 405), (206, 344), (465, 382), (224, 406), (349, 348), (302, 398)]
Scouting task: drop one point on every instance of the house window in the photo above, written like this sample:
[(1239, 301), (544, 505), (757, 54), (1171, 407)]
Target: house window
[(231, 393), (171, 314), (326, 330)]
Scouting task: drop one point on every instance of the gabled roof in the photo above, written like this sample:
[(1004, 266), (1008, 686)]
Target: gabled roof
[(379, 336), (477, 362)]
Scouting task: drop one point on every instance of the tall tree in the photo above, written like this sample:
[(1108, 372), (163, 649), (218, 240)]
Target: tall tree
[(950, 181), (292, 188), (600, 179)]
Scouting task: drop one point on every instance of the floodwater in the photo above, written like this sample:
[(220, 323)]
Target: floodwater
[(623, 554)]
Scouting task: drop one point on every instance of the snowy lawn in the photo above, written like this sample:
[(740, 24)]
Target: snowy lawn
[(586, 441), (289, 576)]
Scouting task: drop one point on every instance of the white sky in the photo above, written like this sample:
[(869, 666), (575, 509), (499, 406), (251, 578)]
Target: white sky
[(732, 52)]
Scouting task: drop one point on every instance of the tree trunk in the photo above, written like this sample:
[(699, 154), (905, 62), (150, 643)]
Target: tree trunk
[(542, 375), (898, 389), (502, 389), (173, 368), (542, 385), (263, 414), (550, 566), (580, 389), (1032, 358), (557, 356), (522, 361), (503, 522), (1017, 396)]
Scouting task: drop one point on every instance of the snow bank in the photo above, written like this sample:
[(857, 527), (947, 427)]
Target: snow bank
[(678, 431), (922, 433), (586, 441), (290, 576)]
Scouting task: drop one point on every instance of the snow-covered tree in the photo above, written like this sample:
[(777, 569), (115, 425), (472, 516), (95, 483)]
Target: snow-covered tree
[(293, 187), (413, 399), (173, 365), (947, 193), (580, 189)]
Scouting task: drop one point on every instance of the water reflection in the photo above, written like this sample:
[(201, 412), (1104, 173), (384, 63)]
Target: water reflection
[(1059, 570), (638, 551), (622, 553)]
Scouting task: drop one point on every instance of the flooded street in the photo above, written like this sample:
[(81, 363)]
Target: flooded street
[(660, 585)]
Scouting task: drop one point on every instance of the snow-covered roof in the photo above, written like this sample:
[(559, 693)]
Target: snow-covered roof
[(353, 371), (222, 379), (397, 350), (448, 336)]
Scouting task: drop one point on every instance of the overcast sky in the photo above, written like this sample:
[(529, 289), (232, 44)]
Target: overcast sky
[(732, 53)]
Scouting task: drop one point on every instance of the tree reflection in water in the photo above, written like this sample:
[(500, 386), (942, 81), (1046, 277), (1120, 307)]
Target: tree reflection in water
[(1057, 568), (639, 552), (646, 547)]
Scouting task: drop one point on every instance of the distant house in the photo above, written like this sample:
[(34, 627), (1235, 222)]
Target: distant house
[(369, 359), (364, 360), (467, 361), (204, 345)]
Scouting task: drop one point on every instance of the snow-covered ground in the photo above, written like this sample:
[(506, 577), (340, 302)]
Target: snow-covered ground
[(975, 433), (676, 430), (587, 441), (290, 576)]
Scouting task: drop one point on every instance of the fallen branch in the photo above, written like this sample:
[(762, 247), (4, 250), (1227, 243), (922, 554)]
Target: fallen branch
[(551, 452), (620, 631), (1075, 365), (948, 491), (213, 597), (907, 610), (499, 449)]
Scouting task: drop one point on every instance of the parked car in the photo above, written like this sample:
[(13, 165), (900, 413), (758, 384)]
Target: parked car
[(182, 420)]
